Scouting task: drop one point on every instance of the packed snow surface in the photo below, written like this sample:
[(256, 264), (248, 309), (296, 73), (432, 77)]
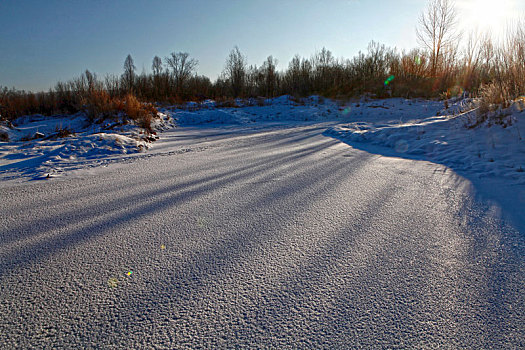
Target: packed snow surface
[(244, 228), (491, 155)]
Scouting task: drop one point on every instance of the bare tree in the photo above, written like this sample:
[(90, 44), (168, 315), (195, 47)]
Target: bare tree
[(128, 77), (182, 68), (253, 83), (472, 59), (235, 71), (92, 81), (437, 30), (323, 59), (293, 75), (112, 84), (322, 62), (306, 75), (156, 66), (270, 76)]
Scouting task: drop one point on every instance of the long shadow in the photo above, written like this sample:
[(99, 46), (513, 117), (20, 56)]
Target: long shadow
[(407, 317), (99, 209), (229, 250), (484, 190), (304, 286), (239, 245), (498, 251), (172, 195), (491, 324), (219, 134), (70, 195), (190, 279)]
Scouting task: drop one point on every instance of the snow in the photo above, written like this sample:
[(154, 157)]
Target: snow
[(492, 156), (483, 151), (280, 109), (37, 150), (244, 228), (279, 238)]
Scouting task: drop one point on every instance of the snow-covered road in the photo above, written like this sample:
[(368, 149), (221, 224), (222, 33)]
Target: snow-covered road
[(278, 238)]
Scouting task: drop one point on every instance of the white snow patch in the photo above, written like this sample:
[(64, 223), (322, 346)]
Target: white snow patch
[(480, 151), (36, 149), (282, 108), (491, 156)]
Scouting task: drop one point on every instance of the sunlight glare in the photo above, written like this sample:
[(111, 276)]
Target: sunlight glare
[(486, 15)]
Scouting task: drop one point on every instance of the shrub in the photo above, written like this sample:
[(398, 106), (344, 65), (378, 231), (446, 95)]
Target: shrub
[(63, 132), (141, 113), (490, 96), (99, 105)]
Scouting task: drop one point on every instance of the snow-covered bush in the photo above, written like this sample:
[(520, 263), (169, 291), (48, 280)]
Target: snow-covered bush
[(141, 113)]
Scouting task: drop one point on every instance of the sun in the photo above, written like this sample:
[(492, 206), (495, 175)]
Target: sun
[(486, 15)]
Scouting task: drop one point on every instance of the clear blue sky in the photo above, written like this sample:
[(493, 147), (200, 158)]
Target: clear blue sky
[(45, 41)]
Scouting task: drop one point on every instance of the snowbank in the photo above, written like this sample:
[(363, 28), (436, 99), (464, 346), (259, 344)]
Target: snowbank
[(491, 156), (283, 108), (41, 146), (449, 139)]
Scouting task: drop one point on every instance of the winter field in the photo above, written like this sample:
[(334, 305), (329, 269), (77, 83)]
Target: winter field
[(307, 223), (491, 156)]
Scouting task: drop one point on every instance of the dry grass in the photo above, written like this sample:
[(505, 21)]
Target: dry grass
[(99, 105), (141, 113), (226, 103), (63, 132)]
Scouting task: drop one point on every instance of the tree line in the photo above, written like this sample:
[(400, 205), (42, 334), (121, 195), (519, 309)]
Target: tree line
[(440, 67)]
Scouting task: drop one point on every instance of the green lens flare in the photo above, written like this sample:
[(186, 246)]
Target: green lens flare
[(389, 79)]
